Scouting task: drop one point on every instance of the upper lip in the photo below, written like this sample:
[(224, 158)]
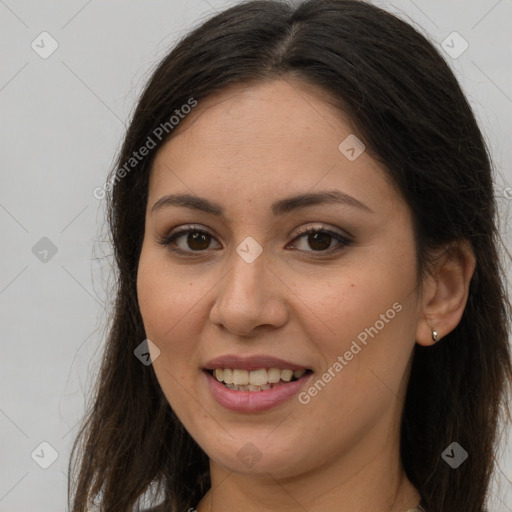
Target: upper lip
[(251, 363)]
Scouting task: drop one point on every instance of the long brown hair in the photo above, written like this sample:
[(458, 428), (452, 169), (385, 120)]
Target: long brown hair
[(413, 117)]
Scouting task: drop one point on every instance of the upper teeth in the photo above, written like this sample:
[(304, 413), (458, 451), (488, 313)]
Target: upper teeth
[(255, 377)]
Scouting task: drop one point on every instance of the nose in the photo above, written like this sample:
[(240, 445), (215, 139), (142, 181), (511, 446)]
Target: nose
[(250, 298)]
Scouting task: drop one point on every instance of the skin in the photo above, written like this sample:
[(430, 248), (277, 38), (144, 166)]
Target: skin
[(244, 148)]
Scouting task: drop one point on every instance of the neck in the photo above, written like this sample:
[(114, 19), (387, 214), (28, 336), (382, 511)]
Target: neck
[(365, 479)]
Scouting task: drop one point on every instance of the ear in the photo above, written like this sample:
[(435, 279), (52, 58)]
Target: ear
[(445, 292)]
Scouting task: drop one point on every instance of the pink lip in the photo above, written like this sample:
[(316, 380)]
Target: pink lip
[(254, 401), (251, 363)]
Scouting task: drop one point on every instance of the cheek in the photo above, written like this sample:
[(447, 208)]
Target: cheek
[(356, 299), (164, 314), (371, 314), (165, 302)]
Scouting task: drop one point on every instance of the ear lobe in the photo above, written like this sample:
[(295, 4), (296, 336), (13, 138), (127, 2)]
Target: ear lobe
[(446, 292)]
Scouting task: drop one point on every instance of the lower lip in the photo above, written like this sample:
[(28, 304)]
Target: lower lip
[(254, 401)]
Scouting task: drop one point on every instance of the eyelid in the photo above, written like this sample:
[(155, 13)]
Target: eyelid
[(343, 238), (323, 227), (306, 229)]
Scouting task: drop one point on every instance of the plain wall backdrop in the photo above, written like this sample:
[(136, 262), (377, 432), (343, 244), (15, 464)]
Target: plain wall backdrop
[(71, 73)]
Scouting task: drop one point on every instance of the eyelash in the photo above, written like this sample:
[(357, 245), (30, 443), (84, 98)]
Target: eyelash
[(343, 241)]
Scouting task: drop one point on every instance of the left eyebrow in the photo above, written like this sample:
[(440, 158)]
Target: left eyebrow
[(280, 207)]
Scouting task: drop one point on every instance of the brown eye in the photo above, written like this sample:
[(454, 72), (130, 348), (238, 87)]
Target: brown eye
[(195, 240), (198, 241), (319, 240)]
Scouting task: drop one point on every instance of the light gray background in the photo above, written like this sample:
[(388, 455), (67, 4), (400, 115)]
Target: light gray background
[(62, 120)]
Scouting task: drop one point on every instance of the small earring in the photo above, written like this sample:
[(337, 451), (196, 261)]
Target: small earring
[(434, 335)]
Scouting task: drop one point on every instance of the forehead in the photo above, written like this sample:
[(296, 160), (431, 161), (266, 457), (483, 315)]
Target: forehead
[(271, 115), (267, 137)]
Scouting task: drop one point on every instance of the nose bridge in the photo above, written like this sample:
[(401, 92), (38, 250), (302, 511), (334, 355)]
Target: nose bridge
[(247, 295), (247, 277)]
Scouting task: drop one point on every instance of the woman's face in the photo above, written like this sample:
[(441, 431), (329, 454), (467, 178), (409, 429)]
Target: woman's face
[(247, 293)]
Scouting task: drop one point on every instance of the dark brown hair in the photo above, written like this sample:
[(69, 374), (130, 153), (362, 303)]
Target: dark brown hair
[(413, 117)]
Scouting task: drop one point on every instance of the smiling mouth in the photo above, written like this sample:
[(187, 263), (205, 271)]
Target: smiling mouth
[(262, 379)]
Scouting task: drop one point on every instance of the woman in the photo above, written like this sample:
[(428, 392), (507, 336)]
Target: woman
[(304, 228)]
